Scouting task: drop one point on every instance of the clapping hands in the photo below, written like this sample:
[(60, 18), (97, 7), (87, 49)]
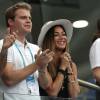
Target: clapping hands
[(42, 59), (66, 62)]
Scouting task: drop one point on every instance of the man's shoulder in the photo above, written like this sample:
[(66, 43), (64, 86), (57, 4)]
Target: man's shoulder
[(96, 43), (34, 46), (1, 43)]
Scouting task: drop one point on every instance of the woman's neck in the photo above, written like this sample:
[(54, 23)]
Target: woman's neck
[(58, 52)]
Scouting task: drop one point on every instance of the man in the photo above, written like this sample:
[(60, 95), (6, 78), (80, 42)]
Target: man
[(20, 75), (94, 57)]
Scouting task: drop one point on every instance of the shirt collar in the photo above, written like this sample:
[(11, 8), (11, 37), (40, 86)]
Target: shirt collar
[(18, 43)]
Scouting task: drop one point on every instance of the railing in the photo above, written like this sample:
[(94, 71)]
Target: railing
[(5, 96), (88, 85), (31, 97)]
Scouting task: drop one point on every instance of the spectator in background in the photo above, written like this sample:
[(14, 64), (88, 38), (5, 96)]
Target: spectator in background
[(20, 75), (56, 35), (94, 57)]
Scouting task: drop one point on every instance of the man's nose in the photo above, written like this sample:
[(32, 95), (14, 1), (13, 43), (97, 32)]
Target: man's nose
[(28, 19)]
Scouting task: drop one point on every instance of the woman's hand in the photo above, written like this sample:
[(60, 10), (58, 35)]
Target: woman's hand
[(66, 61)]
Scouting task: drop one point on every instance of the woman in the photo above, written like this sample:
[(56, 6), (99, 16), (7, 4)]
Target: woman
[(55, 35)]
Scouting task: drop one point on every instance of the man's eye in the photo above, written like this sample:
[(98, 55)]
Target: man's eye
[(30, 18), (55, 35)]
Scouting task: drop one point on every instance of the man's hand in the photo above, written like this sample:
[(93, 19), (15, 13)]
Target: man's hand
[(9, 39), (42, 59)]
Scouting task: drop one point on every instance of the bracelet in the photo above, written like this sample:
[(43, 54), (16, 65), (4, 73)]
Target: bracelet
[(62, 72), (69, 73)]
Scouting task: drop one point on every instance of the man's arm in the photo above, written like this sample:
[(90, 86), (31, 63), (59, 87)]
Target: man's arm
[(13, 76), (7, 42), (3, 59)]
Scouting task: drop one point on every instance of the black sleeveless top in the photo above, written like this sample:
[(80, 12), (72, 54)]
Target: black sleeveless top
[(63, 93)]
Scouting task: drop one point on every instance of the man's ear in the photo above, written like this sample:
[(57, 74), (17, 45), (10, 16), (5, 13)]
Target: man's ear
[(10, 22)]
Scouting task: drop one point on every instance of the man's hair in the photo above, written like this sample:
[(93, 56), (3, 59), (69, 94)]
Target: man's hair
[(10, 12)]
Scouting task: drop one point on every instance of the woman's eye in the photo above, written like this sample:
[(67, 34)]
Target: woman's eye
[(59, 34), (55, 34)]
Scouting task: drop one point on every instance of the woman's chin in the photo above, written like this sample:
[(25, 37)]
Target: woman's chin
[(60, 48)]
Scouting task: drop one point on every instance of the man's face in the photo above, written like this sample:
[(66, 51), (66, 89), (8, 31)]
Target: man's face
[(22, 22)]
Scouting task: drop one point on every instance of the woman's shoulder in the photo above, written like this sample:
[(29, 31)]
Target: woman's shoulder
[(74, 66)]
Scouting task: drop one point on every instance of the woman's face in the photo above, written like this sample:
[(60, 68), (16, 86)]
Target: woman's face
[(60, 38)]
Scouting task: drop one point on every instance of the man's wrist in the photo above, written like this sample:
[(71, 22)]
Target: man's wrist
[(3, 54)]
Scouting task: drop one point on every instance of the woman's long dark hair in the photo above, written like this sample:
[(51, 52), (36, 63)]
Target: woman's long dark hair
[(48, 43)]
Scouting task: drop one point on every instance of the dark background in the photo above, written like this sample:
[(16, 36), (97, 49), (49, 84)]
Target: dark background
[(46, 10)]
